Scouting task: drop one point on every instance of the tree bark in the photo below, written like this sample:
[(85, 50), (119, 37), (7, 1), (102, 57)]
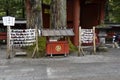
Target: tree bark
[(58, 14), (28, 13), (34, 13)]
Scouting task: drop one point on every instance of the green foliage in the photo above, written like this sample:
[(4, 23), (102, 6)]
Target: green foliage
[(114, 11), (12, 8), (41, 45), (72, 47), (47, 2)]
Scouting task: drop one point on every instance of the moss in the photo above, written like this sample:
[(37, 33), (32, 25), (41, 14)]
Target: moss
[(72, 47), (41, 45), (38, 8)]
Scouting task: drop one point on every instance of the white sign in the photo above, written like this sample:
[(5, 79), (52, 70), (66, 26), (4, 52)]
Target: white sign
[(23, 37), (87, 35), (8, 21)]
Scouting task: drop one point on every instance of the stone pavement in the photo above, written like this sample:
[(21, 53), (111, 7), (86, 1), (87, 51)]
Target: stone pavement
[(103, 66)]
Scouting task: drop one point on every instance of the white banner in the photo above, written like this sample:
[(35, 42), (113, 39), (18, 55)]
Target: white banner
[(22, 37)]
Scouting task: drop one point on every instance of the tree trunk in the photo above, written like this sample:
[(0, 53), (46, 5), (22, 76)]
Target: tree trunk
[(34, 13), (28, 13), (58, 14)]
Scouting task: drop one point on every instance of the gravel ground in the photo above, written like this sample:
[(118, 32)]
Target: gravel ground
[(102, 66)]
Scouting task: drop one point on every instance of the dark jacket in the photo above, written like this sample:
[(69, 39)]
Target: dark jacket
[(116, 38)]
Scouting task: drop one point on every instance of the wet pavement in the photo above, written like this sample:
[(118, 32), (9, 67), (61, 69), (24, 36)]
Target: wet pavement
[(103, 66)]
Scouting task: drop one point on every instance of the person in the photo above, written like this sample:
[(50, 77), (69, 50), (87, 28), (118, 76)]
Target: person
[(115, 41), (119, 39)]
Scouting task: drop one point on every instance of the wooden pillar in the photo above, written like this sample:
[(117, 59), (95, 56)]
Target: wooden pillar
[(102, 11), (76, 20)]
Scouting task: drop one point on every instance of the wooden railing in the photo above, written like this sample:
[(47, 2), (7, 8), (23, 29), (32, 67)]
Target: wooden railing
[(3, 35)]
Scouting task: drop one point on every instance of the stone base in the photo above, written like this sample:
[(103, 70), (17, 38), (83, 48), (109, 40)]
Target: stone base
[(102, 49)]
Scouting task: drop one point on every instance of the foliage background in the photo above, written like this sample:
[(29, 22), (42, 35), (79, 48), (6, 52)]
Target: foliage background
[(112, 11)]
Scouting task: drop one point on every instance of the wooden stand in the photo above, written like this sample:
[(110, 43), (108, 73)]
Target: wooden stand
[(80, 50), (36, 49), (8, 42), (94, 41)]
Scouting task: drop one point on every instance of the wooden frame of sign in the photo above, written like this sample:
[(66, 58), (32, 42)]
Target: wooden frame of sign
[(8, 21), (94, 41), (80, 50), (36, 49), (22, 37), (8, 43)]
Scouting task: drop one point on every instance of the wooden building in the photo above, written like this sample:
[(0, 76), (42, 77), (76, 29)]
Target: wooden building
[(84, 13)]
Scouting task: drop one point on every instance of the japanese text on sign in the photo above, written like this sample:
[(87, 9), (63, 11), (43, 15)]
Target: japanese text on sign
[(87, 35), (22, 37), (8, 21)]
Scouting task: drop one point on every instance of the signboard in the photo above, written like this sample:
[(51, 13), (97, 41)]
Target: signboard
[(8, 21), (22, 37), (87, 35)]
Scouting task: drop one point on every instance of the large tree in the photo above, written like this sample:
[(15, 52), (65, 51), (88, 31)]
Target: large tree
[(13, 8), (58, 14), (34, 13)]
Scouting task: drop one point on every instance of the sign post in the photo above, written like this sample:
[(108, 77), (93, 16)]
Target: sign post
[(80, 50), (94, 41), (36, 47), (8, 21), (87, 36)]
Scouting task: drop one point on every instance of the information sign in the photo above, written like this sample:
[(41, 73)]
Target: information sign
[(8, 21)]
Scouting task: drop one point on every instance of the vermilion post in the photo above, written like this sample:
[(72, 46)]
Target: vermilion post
[(76, 21)]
